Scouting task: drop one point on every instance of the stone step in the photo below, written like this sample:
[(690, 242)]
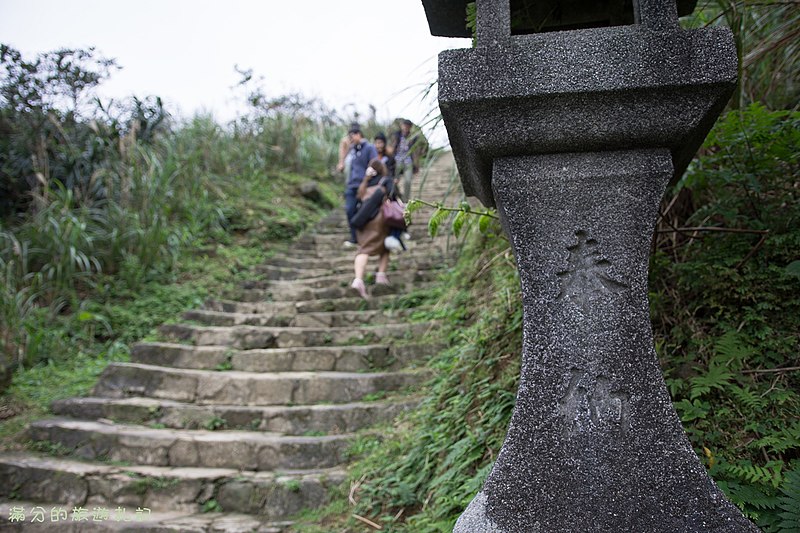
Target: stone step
[(270, 496), (343, 261), (341, 257), (304, 320), (272, 272), (244, 450), (292, 420), (329, 280), (290, 293), (336, 234), (310, 253), (207, 387), (249, 337), (181, 355), (338, 230), (353, 303), (206, 317), (356, 358), (233, 306)]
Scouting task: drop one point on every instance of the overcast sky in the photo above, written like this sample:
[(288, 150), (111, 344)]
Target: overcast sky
[(376, 52)]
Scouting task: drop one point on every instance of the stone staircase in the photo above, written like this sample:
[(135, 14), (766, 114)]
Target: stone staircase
[(242, 415)]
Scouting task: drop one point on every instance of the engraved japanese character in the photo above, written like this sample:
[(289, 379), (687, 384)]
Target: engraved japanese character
[(586, 275)]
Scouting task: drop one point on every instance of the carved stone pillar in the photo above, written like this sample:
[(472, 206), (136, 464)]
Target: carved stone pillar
[(594, 443)]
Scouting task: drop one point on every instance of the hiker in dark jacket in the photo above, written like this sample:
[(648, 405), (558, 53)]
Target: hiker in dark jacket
[(371, 229), (361, 153)]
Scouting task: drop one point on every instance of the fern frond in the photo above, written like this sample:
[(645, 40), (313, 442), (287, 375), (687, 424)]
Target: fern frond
[(779, 442), (770, 474), (717, 377), (748, 398), (745, 496), (730, 348), (789, 502)]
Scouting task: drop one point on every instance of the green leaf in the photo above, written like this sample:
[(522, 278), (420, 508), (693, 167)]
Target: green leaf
[(411, 207), (793, 269), (693, 410), (436, 220), (458, 222), (483, 223)]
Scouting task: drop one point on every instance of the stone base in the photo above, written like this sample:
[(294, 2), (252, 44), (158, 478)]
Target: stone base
[(474, 519)]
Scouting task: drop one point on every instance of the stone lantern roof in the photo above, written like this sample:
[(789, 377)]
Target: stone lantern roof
[(446, 18), (649, 84)]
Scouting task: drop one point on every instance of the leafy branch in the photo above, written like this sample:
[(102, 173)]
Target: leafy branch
[(464, 215)]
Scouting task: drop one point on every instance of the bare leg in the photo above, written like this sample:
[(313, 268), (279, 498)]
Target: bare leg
[(383, 264), (360, 265)]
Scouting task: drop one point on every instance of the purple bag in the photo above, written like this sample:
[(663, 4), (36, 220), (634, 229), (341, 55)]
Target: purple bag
[(392, 211)]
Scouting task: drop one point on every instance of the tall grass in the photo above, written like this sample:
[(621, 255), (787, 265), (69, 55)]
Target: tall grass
[(143, 204)]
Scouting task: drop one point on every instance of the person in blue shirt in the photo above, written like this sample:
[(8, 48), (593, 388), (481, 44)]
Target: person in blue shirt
[(361, 152)]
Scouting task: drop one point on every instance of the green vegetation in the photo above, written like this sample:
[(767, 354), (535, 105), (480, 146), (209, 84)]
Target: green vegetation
[(765, 33), (212, 506), (116, 218), (726, 313), (292, 485)]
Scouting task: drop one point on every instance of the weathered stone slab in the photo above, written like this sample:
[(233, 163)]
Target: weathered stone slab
[(233, 306), (351, 303), (247, 388), (301, 293), (341, 319), (289, 420), (246, 450), (222, 318), (339, 358), (314, 319), (287, 308), (344, 358), (27, 477), (254, 337), (405, 274), (179, 355)]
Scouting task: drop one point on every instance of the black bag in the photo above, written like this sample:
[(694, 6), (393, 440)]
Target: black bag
[(369, 209)]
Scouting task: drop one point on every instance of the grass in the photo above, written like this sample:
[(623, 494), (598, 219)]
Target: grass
[(75, 352)]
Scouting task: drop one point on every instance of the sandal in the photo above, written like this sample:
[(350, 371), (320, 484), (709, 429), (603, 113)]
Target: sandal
[(360, 288)]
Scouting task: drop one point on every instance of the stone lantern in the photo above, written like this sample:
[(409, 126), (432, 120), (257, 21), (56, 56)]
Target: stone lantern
[(572, 121)]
